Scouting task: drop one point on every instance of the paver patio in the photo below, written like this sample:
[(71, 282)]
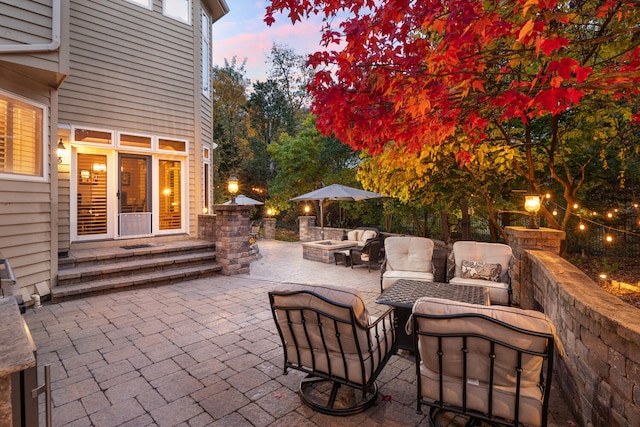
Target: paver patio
[(204, 353)]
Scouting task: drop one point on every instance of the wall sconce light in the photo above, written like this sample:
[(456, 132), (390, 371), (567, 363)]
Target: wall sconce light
[(232, 187), (532, 205), (61, 149)]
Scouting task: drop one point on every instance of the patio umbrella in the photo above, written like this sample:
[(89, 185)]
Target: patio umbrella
[(336, 192), (244, 200)]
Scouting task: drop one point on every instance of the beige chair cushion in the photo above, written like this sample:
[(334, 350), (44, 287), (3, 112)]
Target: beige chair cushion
[(307, 349), (339, 294), (392, 276), (478, 367), (409, 253), (407, 257), (478, 361), (366, 235), (503, 398), (353, 235), (489, 253)]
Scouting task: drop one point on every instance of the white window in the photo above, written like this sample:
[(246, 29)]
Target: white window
[(206, 180), (206, 55), (143, 3), (178, 9), (22, 137)]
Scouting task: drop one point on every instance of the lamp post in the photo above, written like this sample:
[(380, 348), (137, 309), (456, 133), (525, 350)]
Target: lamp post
[(232, 187), (532, 205)]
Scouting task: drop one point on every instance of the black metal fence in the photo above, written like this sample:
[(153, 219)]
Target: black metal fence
[(618, 236)]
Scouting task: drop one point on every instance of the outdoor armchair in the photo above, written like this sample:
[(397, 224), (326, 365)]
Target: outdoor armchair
[(368, 255), (483, 264), (407, 257), (490, 363), (327, 333)]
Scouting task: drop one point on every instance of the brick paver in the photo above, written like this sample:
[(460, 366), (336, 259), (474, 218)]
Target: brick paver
[(202, 353)]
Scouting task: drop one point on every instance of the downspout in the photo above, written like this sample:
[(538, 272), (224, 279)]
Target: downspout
[(37, 48)]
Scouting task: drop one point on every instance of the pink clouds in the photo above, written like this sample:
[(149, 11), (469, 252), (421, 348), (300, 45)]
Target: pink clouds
[(243, 33)]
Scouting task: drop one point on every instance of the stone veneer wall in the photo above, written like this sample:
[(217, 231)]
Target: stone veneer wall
[(269, 228), (233, 225), (207, 227), (601, 335)]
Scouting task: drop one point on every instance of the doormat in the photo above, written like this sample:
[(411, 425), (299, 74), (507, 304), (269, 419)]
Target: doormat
[(136, 246)]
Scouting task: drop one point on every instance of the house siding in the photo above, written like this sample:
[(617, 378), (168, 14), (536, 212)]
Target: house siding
[(26, 208), (130, 69)]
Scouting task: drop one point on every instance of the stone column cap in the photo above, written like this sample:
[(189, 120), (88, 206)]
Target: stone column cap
[(537, 233)]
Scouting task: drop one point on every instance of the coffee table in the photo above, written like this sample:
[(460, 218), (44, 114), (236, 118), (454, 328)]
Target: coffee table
[(404, 293)]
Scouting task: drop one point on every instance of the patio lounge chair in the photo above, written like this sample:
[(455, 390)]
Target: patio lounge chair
[(368, 255), (406, 257), (327, 333), (484, 264), (490, 363)]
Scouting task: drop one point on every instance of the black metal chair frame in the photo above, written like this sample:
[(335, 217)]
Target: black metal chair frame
[(372, 248), (381, 326), (475, 416)]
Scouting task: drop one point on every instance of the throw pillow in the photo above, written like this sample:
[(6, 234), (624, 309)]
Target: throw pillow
[(481, 270)]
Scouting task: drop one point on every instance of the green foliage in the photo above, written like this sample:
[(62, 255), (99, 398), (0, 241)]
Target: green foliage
[(230, 124)]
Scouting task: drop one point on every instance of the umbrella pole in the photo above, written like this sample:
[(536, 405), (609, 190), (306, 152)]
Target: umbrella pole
[(321, 222)]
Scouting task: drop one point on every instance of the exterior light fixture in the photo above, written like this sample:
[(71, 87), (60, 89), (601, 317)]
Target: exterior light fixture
[(61, 149), (532, 205), (269, 212), (582, 227), (307, 209), (232, 187)]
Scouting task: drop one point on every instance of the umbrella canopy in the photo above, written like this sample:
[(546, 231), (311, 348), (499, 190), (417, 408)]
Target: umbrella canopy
[(336, 192), (244, 200)]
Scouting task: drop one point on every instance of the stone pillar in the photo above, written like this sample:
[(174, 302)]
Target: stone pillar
[(305, 223), (270, 228), (233, 225), (522, 239), (207, 227)]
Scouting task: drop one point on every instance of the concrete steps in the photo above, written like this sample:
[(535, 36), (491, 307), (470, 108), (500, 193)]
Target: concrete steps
[(100, 270)]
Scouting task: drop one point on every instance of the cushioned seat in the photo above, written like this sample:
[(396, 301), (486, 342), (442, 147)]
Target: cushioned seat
[(407, 257), (360, 236), (484, 264), (327, 333), (492, 363)]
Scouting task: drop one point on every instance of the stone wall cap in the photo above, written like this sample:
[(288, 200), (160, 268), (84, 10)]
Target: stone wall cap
[(542, 232), (232, 208)]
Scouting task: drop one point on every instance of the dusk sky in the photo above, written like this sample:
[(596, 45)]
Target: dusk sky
[(243, 33)]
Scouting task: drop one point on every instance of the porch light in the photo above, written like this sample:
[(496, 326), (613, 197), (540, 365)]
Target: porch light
[(61, 150), (232, 187), (307, 209), (532, 205)]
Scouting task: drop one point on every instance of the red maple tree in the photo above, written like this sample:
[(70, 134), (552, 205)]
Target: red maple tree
[(409, 72)]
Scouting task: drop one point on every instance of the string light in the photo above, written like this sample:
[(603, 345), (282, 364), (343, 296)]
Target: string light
[(608, 238), (582, 227)]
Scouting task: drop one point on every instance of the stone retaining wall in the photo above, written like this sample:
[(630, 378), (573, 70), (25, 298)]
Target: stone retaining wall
[(601, 335)]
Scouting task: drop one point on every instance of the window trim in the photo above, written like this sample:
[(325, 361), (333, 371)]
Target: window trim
[(148, 6), (178, 18), (206, 54), (46, 154)]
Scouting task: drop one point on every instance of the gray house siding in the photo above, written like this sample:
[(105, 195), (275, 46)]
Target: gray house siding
[(130, 69)]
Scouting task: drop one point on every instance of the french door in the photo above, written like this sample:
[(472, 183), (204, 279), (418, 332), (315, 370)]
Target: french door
[(134, 195)]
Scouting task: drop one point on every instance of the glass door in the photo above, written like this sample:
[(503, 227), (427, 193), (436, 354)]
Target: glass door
[(92, 194), (134, 195)]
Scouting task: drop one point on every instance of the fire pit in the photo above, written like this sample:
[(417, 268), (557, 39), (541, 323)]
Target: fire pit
[(323, 250)]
